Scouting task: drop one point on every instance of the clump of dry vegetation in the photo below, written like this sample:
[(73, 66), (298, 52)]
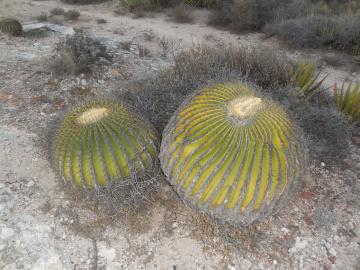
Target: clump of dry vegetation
[(72, 15), (57, 11), (83, 2), (181, 13), (78, 53), (305, 23)]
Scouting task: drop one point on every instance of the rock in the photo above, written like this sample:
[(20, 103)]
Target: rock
[(48, 27), (356, 140), (6, 233), (350, 177)]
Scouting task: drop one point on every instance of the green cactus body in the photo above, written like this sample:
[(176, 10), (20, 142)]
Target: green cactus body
[(100, 143), (231, 153), (11, 26)]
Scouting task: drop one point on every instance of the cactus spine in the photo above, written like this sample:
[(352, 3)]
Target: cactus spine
[(231, 153), (100, 143)]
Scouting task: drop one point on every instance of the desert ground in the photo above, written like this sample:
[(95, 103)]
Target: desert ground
[(43, 227)]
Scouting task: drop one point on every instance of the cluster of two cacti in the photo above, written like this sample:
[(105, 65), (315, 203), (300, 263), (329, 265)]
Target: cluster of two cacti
[(226, 150)]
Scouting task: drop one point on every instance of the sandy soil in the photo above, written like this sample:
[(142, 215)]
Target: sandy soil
[(43, 227)]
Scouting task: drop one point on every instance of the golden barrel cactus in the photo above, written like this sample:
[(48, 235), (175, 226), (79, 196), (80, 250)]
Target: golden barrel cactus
[(11, 27), (232, 154), (100, 143)]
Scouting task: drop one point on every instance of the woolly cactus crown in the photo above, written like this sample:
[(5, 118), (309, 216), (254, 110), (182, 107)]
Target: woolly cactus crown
[(100, 143), (231, 153)]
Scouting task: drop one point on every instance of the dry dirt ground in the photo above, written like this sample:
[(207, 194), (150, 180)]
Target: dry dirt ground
[(43, 227)]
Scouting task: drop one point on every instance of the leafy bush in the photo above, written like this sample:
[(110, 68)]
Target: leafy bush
[(77, 53), (245, 15)]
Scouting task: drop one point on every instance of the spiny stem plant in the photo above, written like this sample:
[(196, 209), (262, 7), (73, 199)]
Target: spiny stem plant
[(101, 143), (305, 76), (232, 153), (347, 100)]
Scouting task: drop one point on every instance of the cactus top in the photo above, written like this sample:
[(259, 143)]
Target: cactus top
[(232, 153)]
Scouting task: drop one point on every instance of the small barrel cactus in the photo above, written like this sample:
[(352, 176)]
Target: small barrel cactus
[(11, 26), (232, 154), (100, 143)]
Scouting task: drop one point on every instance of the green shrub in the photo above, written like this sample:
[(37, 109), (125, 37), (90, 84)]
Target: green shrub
[(245, 15)]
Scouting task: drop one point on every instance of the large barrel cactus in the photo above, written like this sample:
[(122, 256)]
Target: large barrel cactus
[(101, 143), (232, 154), (11, 26)]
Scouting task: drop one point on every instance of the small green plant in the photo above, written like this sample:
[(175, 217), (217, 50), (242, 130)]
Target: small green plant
[(101, 143), (11, 27), (57, 11), (72, 15), (233, 154), (305, 76), (347, 100)]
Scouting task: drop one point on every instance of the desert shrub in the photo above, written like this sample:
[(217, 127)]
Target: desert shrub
[(201, 66), (57, 11), (304, 23), (83, 2), (77, 53), (101, 21), (200, 3), (181, 13), (327, 130), (338, 32), (43, 17), (72, 15), (245, 15)]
